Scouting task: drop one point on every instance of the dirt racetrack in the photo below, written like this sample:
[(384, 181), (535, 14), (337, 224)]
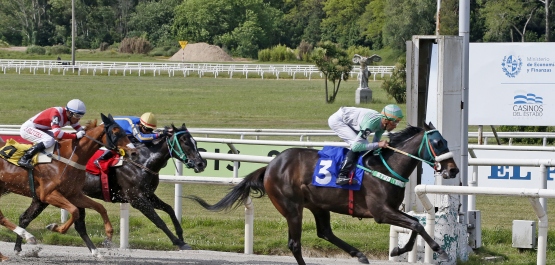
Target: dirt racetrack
[(49, 254)]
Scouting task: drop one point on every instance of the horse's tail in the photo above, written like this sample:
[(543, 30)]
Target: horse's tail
[(253, 182)]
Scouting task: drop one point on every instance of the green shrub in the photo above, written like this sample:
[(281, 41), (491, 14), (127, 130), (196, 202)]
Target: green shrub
[(396, 85), (264, 55), (135, 46), (158, 51), (33, 49), (531, 141), (58, 49), (171, 50), (4, 44)]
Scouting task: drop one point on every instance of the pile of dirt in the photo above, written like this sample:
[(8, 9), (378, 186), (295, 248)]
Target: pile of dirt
[(201, 52)]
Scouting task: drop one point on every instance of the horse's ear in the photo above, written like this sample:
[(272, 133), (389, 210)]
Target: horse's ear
[(183, 125), (431, 126), (173, 127), (105, 119)]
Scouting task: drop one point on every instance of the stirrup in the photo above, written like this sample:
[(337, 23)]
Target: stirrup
[(345, 181), (25, 164)]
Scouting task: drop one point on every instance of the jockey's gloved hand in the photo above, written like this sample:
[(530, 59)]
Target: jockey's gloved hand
[(80, 134), (162, 133)]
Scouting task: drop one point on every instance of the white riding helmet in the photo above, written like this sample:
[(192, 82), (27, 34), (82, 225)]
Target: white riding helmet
[(76, 108), (149, 120)]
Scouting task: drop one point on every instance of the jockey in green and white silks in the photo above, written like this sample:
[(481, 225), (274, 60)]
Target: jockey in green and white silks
[(354, 125)]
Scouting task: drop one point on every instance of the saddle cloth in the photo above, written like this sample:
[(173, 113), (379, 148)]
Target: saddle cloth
[(13, 150), (328, 166)]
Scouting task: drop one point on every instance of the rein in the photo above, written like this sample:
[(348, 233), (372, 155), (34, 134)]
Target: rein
[(399, 181), (171, 141), (140, 165)]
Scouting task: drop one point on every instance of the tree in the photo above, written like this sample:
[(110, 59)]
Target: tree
[(372, 22), (504, 17), (25, 17), (407, 18), (396, 85), (333, 62), (340, 24), (153, 19), (229, 23)]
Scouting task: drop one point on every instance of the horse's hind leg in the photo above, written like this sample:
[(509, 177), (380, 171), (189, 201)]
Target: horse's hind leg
[(323, 228), (34, 210), (295, 223), (293, 213)]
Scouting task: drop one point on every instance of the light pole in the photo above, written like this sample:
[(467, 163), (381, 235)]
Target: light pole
[(72, 32)]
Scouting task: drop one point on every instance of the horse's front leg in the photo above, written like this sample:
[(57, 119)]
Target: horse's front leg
[(34, 210), (142, 204), (57, 199), (157, 203), (401, 219), (323, 227), (408, 246)]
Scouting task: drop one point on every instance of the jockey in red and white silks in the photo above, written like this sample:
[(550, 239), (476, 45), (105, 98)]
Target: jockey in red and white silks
[(46, 127)]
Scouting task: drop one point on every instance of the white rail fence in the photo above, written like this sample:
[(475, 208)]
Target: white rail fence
[(532, 194), (185, 69)]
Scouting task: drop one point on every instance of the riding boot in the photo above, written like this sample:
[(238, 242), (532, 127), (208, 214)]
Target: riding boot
[(344, 172), (26, 160)]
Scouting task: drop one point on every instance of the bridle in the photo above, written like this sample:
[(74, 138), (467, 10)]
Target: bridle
[(176, 151), (430, 156)]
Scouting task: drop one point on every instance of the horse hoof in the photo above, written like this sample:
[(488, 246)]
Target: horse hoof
[(185, 247), (107, 243), (394, 252), (32, 241), (443, 257), (363, 259), (51, 227)]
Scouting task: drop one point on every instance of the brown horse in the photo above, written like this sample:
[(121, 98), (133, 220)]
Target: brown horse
[(135, 182), (287, 180), (60, 183)]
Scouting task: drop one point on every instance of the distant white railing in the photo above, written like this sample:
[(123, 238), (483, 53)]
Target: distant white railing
[(171, 68)]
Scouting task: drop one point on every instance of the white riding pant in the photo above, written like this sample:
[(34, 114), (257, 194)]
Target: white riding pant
[(32, 134), (344, 131)]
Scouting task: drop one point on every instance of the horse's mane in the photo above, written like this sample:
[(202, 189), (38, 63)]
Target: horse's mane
[(90, 124), (401, 136)]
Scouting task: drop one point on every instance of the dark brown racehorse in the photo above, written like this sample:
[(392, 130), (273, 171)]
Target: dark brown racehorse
[(131, 183), (287, 182), (61, 184)]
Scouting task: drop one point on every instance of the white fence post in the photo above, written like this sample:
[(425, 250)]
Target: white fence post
[(124, 225), (178, 191)]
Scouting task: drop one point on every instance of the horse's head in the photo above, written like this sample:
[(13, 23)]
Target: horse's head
[(434, 148), (184, 147), (114, 137)]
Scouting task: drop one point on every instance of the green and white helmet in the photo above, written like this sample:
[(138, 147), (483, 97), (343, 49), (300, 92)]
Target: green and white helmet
[(392, 112)]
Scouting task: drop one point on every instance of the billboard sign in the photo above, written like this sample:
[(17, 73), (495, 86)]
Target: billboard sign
[(513, 176), (512, 84)]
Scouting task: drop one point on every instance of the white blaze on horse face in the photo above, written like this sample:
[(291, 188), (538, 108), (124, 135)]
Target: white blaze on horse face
[(325, 164)]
